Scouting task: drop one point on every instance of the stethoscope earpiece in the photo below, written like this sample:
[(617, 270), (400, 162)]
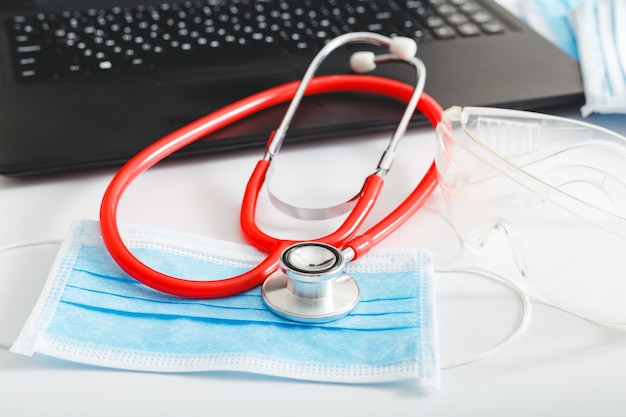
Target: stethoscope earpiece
[(313, 287), (363, 62), (400, 47)]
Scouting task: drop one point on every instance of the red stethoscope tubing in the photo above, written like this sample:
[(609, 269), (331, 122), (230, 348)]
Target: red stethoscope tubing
[(226, 116)]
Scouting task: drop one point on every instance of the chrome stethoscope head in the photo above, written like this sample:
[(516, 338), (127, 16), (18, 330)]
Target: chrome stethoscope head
[(312, 286)]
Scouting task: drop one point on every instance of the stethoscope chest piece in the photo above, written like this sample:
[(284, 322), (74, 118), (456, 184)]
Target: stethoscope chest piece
[(312, 287)]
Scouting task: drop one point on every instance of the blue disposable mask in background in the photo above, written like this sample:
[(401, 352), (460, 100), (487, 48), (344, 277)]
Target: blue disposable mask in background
[(550, 18), (91, 312), (600, 27), (594, 33)]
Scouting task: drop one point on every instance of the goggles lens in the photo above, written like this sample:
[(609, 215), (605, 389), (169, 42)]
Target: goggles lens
[(548, 188)]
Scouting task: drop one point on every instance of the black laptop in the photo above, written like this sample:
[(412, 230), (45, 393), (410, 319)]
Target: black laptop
[(89, 83)]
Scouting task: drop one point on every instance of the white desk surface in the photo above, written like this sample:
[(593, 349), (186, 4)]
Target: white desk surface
[(560, 366)]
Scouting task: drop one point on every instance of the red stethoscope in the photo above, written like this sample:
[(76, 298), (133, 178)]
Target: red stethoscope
[(312, 286)]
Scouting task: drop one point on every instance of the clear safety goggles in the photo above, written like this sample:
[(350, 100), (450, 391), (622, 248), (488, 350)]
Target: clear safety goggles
[(551, 191)]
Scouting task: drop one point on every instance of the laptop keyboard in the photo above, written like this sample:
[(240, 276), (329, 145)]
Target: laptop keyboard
[(103, 41)]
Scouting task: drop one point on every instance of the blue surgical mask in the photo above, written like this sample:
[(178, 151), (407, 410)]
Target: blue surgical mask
[(91, 312), (550, 18), (594, 33), (600, 27)]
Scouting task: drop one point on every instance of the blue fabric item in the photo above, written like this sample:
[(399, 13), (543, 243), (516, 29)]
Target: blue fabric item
[(550, 18), (593, 32), (91, 312), (600, 27)]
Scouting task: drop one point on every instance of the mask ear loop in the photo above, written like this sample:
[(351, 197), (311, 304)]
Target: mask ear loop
[(21, 245), (619, 326), (523, 324)]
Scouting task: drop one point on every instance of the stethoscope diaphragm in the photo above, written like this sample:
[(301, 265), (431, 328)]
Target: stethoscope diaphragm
[(313, 286)]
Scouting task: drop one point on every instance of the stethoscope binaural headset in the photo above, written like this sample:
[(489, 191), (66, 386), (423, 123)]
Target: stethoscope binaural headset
[(313, 286)]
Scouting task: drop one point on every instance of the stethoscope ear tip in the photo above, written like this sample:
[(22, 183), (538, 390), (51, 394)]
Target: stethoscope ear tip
[(363, 62), (403, 47)]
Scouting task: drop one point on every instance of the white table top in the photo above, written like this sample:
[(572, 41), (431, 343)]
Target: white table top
[(561, 365)]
